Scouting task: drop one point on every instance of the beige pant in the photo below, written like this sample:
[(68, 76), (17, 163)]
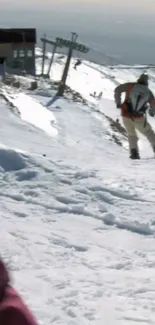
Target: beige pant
[(142, 127)]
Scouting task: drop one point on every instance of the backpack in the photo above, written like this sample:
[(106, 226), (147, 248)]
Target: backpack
[(137, 101)]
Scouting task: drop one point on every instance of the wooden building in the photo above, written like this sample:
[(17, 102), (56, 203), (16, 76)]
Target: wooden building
[(17, 51)]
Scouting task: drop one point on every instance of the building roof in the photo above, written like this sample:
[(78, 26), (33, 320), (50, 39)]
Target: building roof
[(18, 35)]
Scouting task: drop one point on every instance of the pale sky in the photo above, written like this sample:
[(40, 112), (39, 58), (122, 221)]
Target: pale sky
[(139, 6)]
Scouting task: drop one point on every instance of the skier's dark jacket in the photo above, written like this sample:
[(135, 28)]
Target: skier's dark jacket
[(13, 311), (126, 88)]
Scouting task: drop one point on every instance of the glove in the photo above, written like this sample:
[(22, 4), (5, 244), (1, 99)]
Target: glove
[(151, 113)]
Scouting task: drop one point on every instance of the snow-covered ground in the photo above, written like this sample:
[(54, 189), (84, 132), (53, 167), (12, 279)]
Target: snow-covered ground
[(77, 216)]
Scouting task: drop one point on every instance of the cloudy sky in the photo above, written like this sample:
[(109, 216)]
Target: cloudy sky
[(133, 5)]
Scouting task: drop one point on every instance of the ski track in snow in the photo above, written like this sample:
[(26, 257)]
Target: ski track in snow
[(74, 264), (77, 225)]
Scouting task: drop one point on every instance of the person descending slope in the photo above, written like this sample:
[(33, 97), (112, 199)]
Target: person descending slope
[(13, 311), (138, 99)]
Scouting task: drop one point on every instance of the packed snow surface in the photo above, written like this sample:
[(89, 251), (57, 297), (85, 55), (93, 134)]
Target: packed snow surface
[(77, 216)]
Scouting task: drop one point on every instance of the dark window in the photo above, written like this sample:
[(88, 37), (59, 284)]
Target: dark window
[(2, 60), (29, 53), (21, 53), (15, 54)]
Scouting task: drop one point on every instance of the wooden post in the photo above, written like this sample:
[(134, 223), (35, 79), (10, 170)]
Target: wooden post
[(65, 74), (52, 59), (72, 45), (44, 52), (24, 57)]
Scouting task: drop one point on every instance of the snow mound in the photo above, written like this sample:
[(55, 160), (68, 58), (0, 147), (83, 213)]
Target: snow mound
[(135, 227), (25, 175), (11, 160)]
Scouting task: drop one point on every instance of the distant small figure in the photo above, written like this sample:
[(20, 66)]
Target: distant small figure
[(78, 62), (93, 94), (100, 95), (117, 121), (13, 310)]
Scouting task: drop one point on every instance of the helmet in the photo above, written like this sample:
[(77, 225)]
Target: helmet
[(143, 79)]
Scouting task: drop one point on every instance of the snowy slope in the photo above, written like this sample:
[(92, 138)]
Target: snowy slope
[(90, 77), (77, 216)]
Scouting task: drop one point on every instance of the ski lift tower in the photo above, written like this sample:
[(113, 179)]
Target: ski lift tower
[(72, 45)]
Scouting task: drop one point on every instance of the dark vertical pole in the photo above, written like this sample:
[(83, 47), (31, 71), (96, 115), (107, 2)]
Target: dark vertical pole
[(65, 72), (52, 58), (24, 51), (44, 52)]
